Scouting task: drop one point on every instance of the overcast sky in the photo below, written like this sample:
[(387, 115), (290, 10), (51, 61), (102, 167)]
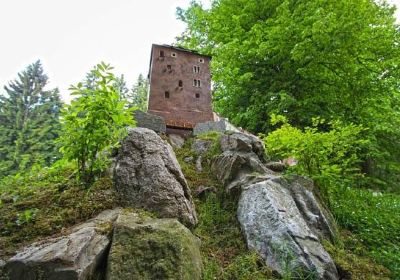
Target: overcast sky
[(71, 36)]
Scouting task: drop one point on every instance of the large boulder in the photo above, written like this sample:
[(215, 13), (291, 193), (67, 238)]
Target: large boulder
[(242, 155), (80, 254), (243, 142), (280, 218), (283, 235), (146, 248), (147, 175)]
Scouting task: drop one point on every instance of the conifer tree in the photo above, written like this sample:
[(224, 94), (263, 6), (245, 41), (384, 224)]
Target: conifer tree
[(29, 121), (138, 97)]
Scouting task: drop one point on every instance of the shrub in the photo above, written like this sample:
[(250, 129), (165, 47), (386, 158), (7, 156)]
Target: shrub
[(94, 123), (330, 157)]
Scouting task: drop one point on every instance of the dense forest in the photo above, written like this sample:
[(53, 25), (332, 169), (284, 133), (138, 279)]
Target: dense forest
[(317, 81)]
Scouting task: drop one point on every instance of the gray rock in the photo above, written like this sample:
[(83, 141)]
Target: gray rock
[(147, 175), (200, 146), (76, 255), (188, 159), (201, 191), (241, 142), (274, 227), (221, 126), (177, 141), (146, 248), (276, 166), (317, 217), (150, 121), (199, 166), (231, 167)]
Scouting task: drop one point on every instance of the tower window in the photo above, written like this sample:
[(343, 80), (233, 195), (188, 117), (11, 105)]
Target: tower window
[(196, 83), (173, 54), (201, 60), (197, 95), (161, 53), (196, 69), (169, 67), (166, 94), (180, 83)]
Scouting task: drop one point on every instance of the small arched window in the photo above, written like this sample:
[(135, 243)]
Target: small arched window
[(180, 83)]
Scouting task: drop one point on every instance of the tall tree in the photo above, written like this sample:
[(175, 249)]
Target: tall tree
[(138, 96), (121, 88), (29, 121), (337, 59)]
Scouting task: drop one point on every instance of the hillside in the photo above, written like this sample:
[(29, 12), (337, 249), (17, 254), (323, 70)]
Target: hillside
[(48, 202)]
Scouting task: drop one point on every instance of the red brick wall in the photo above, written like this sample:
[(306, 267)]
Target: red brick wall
[(182, 108)]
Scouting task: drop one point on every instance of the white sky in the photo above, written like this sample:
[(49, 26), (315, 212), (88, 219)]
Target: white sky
[(71, 36)]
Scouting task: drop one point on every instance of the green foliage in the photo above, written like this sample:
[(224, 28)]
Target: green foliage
[(29, 122), (372, 217), (94, 123), (138, 96), (335, 59), (42, 201), (352, 266), (330, 157)]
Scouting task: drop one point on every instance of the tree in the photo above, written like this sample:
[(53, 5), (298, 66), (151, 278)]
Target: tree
[(338, 60), (94, 123), (138, 96), (29, 121), (120, 86)]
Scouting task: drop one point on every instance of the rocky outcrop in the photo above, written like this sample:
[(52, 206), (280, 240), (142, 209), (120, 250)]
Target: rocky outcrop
[(274, 226), (146, 248), (77, 255), (176, 140), (280, 218), (147, 175), (242, 156)]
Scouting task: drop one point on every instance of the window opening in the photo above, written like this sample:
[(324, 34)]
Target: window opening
[(180, 83), (196, 83), (201, 60), (166, 94), (196, 69), (197, 95), (173, 54), (161, 53)]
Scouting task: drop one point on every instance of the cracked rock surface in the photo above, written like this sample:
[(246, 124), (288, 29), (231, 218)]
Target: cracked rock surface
[(147, 175), (280, 218), (77, 255)]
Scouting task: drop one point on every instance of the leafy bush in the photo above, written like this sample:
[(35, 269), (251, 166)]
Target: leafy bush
[(94, 123), (329, 157)]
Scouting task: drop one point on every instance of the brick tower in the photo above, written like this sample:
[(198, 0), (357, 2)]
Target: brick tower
[(180, 87)]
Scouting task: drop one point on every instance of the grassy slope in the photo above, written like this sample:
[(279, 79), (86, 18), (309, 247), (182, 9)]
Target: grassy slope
[(44, 202), (223, 247), (372, 222)]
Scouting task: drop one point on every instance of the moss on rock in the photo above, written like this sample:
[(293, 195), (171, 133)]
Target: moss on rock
[(146, 248)]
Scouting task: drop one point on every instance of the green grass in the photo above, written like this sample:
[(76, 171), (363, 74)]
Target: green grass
[(373, 220), (45, 201)]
